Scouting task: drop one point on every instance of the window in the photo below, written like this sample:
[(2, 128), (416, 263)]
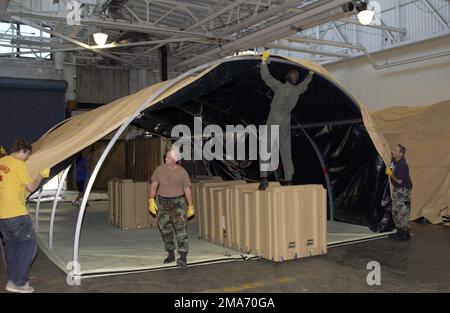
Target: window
[(7, 30), (10, 42)]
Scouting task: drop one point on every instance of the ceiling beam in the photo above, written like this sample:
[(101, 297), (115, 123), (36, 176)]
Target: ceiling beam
[(119, 25), (189, 4), (314, 14), (200, 23), (325, 42), (382, 27), (306, 50), (76, 42), (260, 17)]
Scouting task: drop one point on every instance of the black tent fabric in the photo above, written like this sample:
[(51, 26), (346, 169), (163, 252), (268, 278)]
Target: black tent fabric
[(334, 141), (325, 117)]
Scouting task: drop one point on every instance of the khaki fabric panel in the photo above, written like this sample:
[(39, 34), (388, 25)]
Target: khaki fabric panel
[(219, 215), (110, 203), (141, 200), (127, 209), (425, 132), (82, 130)]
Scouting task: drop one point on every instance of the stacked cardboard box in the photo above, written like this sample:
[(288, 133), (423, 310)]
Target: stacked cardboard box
[(280, 223), (209, 218), (128, 204), (196, 193), (238, 211)]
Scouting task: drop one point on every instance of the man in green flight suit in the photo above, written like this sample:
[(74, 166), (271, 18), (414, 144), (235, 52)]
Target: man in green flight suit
[(284, 100)]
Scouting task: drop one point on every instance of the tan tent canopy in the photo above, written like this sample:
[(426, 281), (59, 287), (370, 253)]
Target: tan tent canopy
[(340, 131), (425, 132), (79, 132)]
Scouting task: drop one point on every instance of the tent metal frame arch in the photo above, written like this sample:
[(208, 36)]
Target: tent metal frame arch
[(76, 271)]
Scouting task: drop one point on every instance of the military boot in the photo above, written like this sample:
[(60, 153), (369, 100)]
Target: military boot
[(405, 235), (264, 183), (182, 262), (170, 257), (396, 234)]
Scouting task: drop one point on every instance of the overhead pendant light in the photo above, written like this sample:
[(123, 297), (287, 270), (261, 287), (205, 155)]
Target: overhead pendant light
[(366, 17), (100, 38)]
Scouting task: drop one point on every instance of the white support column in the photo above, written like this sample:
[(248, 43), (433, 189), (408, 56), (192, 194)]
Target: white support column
[(38, 205), (55, 205)]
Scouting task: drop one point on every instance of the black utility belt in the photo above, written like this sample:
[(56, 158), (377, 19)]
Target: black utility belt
[(170, 198)]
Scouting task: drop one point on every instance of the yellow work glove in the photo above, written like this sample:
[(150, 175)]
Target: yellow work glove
[(152, 207), (265, 56), (45, 173), (2, 150), (190, 211), (388, 171)]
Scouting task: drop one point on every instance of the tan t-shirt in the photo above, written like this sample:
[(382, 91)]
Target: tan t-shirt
[(171, 181)]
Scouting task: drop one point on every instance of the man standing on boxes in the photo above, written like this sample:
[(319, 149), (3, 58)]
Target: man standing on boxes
[(284, 100), (171, 182)]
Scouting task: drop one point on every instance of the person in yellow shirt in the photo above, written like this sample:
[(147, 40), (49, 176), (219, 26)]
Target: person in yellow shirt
[(16, 227)]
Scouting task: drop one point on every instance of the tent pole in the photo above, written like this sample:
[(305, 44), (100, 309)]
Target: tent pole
[(55, 204), (75, 265), (325, 171), (38, 204)]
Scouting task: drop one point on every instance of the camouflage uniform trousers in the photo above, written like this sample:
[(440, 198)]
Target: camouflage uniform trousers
[(172, 216), (401, 207)]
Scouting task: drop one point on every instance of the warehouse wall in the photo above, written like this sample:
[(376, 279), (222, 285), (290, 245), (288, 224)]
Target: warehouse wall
[(29, 69), (424, 82), (141, 78), (100, 86)]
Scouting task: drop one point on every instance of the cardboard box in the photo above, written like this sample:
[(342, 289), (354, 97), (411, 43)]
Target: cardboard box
[(239, 211), (128, 207), (127, 203), (296, 222), (207, 220), (196, 194)]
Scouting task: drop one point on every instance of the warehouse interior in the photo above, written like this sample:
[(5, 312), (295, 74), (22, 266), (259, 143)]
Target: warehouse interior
[(162, 63)]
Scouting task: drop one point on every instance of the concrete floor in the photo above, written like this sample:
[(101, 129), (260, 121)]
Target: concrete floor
[(421, 265)]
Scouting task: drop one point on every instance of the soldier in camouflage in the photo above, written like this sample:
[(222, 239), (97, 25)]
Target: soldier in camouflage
[(171, 182), (401, 196)]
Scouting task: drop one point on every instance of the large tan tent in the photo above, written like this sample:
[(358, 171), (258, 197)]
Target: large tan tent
[(82, 130), (425, 132), (334, 143)]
